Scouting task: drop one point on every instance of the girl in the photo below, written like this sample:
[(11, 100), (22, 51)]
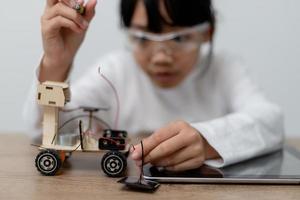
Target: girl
[(200, 106)]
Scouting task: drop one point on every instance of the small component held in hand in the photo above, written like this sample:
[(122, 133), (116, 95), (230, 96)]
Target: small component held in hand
[(139, 183), (79, 8)]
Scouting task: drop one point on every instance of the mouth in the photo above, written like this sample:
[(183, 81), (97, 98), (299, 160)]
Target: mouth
[(165, 78)]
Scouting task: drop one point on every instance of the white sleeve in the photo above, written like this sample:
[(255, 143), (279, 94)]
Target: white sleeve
[(253, 126), (90, 90), (32, 112)]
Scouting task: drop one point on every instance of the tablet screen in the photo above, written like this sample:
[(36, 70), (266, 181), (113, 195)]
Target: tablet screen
[(283, 164)]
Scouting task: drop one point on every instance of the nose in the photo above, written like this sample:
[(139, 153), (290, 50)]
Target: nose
[(161, 56)]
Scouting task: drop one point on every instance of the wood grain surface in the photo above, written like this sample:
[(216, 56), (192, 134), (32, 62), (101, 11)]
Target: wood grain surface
[(81, 178)]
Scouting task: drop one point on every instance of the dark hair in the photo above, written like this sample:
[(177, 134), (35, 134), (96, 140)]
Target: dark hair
[(183, 13)]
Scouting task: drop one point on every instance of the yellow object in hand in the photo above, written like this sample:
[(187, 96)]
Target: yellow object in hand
[(79, 8)]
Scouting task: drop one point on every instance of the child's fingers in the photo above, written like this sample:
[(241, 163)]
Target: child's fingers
[(167, 148), (90, 10), (51, 3), (180, 156), (81, 2), (57, 22), (156, 138), (72, 3), (63, 10), (186, 165)]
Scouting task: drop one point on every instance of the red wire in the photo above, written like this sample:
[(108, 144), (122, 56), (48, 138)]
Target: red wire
[(116, 95), (111, 140)]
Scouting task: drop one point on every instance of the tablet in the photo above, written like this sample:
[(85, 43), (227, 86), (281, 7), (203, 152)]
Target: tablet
[(281, 167)]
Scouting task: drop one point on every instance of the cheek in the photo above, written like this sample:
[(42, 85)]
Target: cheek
[(141, 60), (186, 61)]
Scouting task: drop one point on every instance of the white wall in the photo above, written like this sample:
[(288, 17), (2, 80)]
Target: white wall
[(262, 32)]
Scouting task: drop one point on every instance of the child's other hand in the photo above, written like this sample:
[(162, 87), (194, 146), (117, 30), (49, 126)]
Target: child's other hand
[(63, 31), (177, 147)]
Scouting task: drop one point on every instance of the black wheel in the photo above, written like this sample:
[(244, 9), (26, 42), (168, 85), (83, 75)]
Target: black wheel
[(48, 162), (114, 164)]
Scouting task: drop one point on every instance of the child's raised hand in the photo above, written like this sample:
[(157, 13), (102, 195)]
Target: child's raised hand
[(63, 30), (176, 146)]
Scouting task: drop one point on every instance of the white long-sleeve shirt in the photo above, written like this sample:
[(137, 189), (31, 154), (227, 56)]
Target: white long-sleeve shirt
[(222, 104)]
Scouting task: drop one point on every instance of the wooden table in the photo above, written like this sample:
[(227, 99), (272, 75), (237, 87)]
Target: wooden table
[(82, 179)]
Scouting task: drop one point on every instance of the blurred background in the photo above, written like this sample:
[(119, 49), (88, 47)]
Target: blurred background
[(263, 33)]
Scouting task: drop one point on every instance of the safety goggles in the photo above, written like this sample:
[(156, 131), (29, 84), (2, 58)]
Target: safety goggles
[(178, 41)]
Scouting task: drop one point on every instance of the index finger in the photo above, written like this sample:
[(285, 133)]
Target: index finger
[(51, 3), (88, 10), (155, 139), (72, 3)]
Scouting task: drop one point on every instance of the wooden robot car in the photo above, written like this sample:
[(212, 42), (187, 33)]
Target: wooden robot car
[(56, 146)]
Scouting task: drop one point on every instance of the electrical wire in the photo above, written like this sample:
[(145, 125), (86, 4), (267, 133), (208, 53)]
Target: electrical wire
[(142, 167), (116, 96)]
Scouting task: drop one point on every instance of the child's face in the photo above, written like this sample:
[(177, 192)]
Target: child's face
[(165, 63)]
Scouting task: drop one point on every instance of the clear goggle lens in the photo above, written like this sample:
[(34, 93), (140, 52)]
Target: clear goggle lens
[(185, 40)]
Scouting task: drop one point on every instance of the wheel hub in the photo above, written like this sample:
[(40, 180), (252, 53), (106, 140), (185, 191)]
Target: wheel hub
[(47, 163), (113, 164)]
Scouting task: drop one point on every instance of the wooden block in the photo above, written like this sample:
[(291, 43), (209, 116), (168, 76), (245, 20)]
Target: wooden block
[(53, 94), (50, 124)]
